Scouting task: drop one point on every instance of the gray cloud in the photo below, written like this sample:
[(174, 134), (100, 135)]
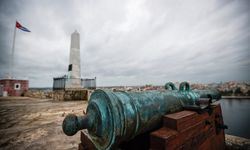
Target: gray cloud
[(129, 42)]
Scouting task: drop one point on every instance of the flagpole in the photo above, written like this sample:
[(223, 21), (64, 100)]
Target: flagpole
[(13, 50)]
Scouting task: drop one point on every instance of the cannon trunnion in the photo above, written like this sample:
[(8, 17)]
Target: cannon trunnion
[(113, 118)]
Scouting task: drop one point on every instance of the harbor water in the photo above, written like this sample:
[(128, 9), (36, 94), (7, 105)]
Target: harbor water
[(236, 114)]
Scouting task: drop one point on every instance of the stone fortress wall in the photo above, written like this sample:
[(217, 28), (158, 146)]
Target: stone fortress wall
[(60, 95)]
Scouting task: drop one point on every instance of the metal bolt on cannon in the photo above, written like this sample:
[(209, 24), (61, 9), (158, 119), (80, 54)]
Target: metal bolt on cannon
[(115, 117)]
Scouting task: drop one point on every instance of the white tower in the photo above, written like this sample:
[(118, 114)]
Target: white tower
[(74, 69)]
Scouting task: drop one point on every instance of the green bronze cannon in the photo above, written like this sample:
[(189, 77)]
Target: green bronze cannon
[(115, 117)]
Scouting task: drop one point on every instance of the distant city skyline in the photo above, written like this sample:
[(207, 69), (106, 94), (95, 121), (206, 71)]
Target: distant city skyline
[(129, 42)]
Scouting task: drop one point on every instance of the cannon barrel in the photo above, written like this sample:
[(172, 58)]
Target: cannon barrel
[(114, 117)]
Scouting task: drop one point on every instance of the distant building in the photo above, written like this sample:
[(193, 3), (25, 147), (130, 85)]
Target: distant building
[(73, 80), (13, 87)]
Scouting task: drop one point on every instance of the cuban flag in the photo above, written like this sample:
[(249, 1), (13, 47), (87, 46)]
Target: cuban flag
[(19, 26)]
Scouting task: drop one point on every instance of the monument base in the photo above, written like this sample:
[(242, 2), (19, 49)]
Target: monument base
[(71, 94)]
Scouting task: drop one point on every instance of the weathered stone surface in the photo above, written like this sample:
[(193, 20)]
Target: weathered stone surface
[(58, 95), (237, 143)]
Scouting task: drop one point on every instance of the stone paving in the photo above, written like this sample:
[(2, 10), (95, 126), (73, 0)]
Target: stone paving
[(29, 123)]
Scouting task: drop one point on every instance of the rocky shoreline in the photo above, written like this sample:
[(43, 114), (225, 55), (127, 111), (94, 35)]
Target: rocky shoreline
[(236, 143), (235, 97)]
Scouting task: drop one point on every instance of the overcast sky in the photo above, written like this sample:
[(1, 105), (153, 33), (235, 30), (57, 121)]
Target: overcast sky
[(130, 42)]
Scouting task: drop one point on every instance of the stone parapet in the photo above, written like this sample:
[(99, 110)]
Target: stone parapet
[(39, 94), (70, 94)]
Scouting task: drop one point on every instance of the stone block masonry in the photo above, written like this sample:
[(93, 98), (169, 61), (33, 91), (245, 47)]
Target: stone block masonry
[(43, 94)]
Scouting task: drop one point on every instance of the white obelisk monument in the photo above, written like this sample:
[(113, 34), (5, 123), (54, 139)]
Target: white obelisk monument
[(74, 69)]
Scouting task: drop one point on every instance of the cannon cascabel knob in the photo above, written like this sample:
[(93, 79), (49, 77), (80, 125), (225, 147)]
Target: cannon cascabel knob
[(72, 124)]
